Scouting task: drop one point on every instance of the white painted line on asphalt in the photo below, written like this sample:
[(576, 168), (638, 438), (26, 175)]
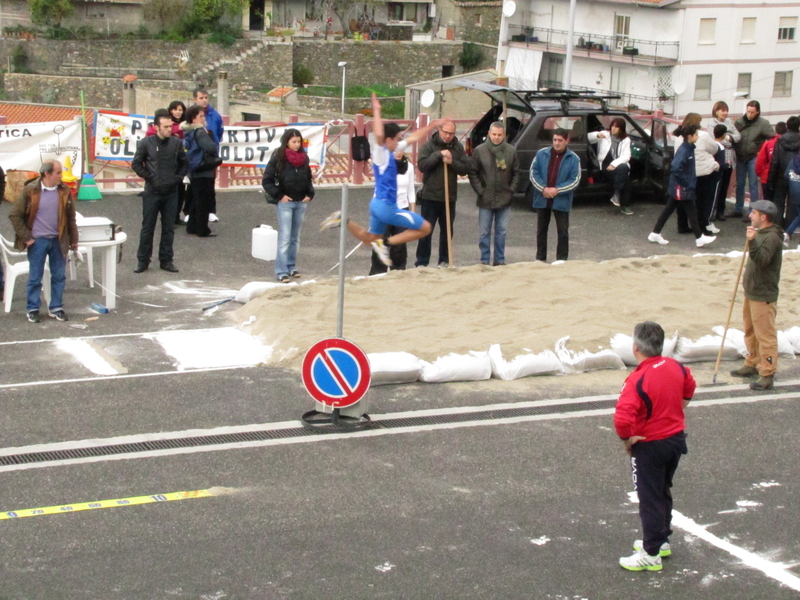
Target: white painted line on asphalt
[(776, 571), (99, 337), (129, 376), (305, 439), (91, 356)]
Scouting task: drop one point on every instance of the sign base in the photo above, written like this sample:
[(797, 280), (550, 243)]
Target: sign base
[(334, 422)]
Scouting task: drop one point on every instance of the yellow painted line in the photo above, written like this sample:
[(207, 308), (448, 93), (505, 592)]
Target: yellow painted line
[(116, 503)]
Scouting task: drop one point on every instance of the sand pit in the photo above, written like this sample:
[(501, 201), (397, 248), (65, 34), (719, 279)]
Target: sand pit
[(432, 312)]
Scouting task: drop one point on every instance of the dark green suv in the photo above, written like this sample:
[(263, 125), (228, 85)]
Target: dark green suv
[(532, 116)]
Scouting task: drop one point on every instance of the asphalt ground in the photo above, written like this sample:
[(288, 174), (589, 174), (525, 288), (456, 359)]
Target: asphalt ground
[(534, 508)]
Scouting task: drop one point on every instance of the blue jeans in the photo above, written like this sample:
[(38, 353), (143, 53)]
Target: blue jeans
[(745, 170), (290, 220), (38, 252), (500, 216)]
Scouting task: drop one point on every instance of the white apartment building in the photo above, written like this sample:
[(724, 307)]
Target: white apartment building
[(677, 55)]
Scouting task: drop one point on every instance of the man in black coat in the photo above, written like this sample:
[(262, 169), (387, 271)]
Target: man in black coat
[(442, 149), (161, 161), (786, 148)]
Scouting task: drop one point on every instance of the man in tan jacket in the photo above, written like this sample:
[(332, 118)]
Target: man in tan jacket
[(44, 222)]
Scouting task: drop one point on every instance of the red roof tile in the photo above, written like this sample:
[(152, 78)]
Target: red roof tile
[(23, 112)]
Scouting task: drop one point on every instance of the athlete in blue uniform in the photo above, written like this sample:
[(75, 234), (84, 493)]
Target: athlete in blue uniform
[(383, 209)]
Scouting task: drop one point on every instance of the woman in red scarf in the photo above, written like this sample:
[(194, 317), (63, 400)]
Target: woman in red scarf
[(287, 181)]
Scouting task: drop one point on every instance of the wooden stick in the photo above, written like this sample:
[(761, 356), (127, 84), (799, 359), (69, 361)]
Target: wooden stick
[(730, 310), (447, 216)]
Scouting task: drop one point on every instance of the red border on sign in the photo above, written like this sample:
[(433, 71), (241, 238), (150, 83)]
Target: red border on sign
[(318, 350)]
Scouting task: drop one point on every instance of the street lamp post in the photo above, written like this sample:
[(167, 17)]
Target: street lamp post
[(343, 65)]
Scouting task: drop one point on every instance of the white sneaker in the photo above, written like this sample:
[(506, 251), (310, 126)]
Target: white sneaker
[(712, 228), (212, 218), (615, 199), (657, 238), (663, 552), (332, 220), (186, 218), (641, 561), (704, 240), (382, 251), (786, 238)]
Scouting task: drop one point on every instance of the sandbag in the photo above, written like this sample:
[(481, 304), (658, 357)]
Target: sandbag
[(786, 347), (389, 368), (793, 335), (706, 349), (579, 362), (622, 345), (474, 366), (524, 365), (254, 289)]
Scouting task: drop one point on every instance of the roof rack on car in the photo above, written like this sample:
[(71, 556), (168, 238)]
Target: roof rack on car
[(564, 97)]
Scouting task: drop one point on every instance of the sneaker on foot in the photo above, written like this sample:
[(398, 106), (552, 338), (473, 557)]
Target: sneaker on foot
[(745, 371), (294, 273), (704, 240), (713, 228), (382, 251), (58, 315), (657, 238), (332, 221), (615, 199), (442, 265), (641, 561), (33, 316), (626, 211), (663, 552), (212, 218), (763, 383), (786, 238)]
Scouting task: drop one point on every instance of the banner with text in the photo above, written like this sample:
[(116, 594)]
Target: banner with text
[(116, 136), (27, 145)]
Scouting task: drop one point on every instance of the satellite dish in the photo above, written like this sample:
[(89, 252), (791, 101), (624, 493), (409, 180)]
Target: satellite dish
[(428, 98), (679, 87), (509, 8)]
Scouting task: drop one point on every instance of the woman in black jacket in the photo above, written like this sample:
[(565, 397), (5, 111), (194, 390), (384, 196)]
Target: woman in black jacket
[(287, 180), (201, 150)]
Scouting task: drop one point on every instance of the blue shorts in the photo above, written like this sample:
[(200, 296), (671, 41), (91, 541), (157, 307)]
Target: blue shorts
[(381, 214)]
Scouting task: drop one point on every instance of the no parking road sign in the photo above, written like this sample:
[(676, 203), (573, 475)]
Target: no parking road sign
[(336, 372)]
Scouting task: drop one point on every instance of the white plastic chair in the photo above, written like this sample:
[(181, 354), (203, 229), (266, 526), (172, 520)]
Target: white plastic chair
[(87, 253), (21, 267)]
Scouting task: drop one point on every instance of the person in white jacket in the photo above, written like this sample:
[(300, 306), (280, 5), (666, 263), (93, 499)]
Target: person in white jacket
[(614, 156), (707, 171)]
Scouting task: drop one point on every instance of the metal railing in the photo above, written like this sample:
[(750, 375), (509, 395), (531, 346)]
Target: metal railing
[(592, 43)]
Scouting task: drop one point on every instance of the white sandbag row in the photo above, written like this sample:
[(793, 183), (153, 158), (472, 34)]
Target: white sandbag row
[(401, 367)]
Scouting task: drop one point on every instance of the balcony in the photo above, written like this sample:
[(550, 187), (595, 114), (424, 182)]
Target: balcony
[(629, 102), (591, 45)]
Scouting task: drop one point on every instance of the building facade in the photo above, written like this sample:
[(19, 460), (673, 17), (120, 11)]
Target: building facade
[(678, 56)]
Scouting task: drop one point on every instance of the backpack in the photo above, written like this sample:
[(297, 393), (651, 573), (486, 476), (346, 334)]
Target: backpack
[(360, 148), (194, 153)]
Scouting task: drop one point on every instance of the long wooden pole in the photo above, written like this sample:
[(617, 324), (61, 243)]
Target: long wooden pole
[(447, 216), (730, 310)]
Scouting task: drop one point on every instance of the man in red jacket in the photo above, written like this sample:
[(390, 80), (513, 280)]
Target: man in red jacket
[(649, 419)]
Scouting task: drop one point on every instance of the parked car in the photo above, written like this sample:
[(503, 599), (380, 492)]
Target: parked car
[(532, 116)]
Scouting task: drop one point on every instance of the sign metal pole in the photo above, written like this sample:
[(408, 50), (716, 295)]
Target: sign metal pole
[(342, 250)]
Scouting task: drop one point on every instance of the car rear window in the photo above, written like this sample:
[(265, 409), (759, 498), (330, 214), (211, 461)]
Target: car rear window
[(574, 125)]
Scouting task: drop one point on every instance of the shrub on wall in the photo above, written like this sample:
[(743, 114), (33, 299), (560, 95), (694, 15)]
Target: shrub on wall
[(302, 75), (470, 56)]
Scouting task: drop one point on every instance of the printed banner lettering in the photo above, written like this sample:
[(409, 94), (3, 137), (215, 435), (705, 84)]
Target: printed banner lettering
[(27, 145), (117, 135)]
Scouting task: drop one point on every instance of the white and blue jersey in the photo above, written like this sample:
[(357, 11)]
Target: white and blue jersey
[(383, 208)]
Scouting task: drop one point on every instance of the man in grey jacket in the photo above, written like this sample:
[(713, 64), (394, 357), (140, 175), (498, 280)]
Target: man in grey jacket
[(755, 130), (442, 149), (494, 179)]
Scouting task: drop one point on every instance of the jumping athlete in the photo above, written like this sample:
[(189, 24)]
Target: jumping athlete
[(383, 209)]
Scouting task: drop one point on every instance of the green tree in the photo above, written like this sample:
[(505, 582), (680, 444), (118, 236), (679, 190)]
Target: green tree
[(50, 12), (219, 10)]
